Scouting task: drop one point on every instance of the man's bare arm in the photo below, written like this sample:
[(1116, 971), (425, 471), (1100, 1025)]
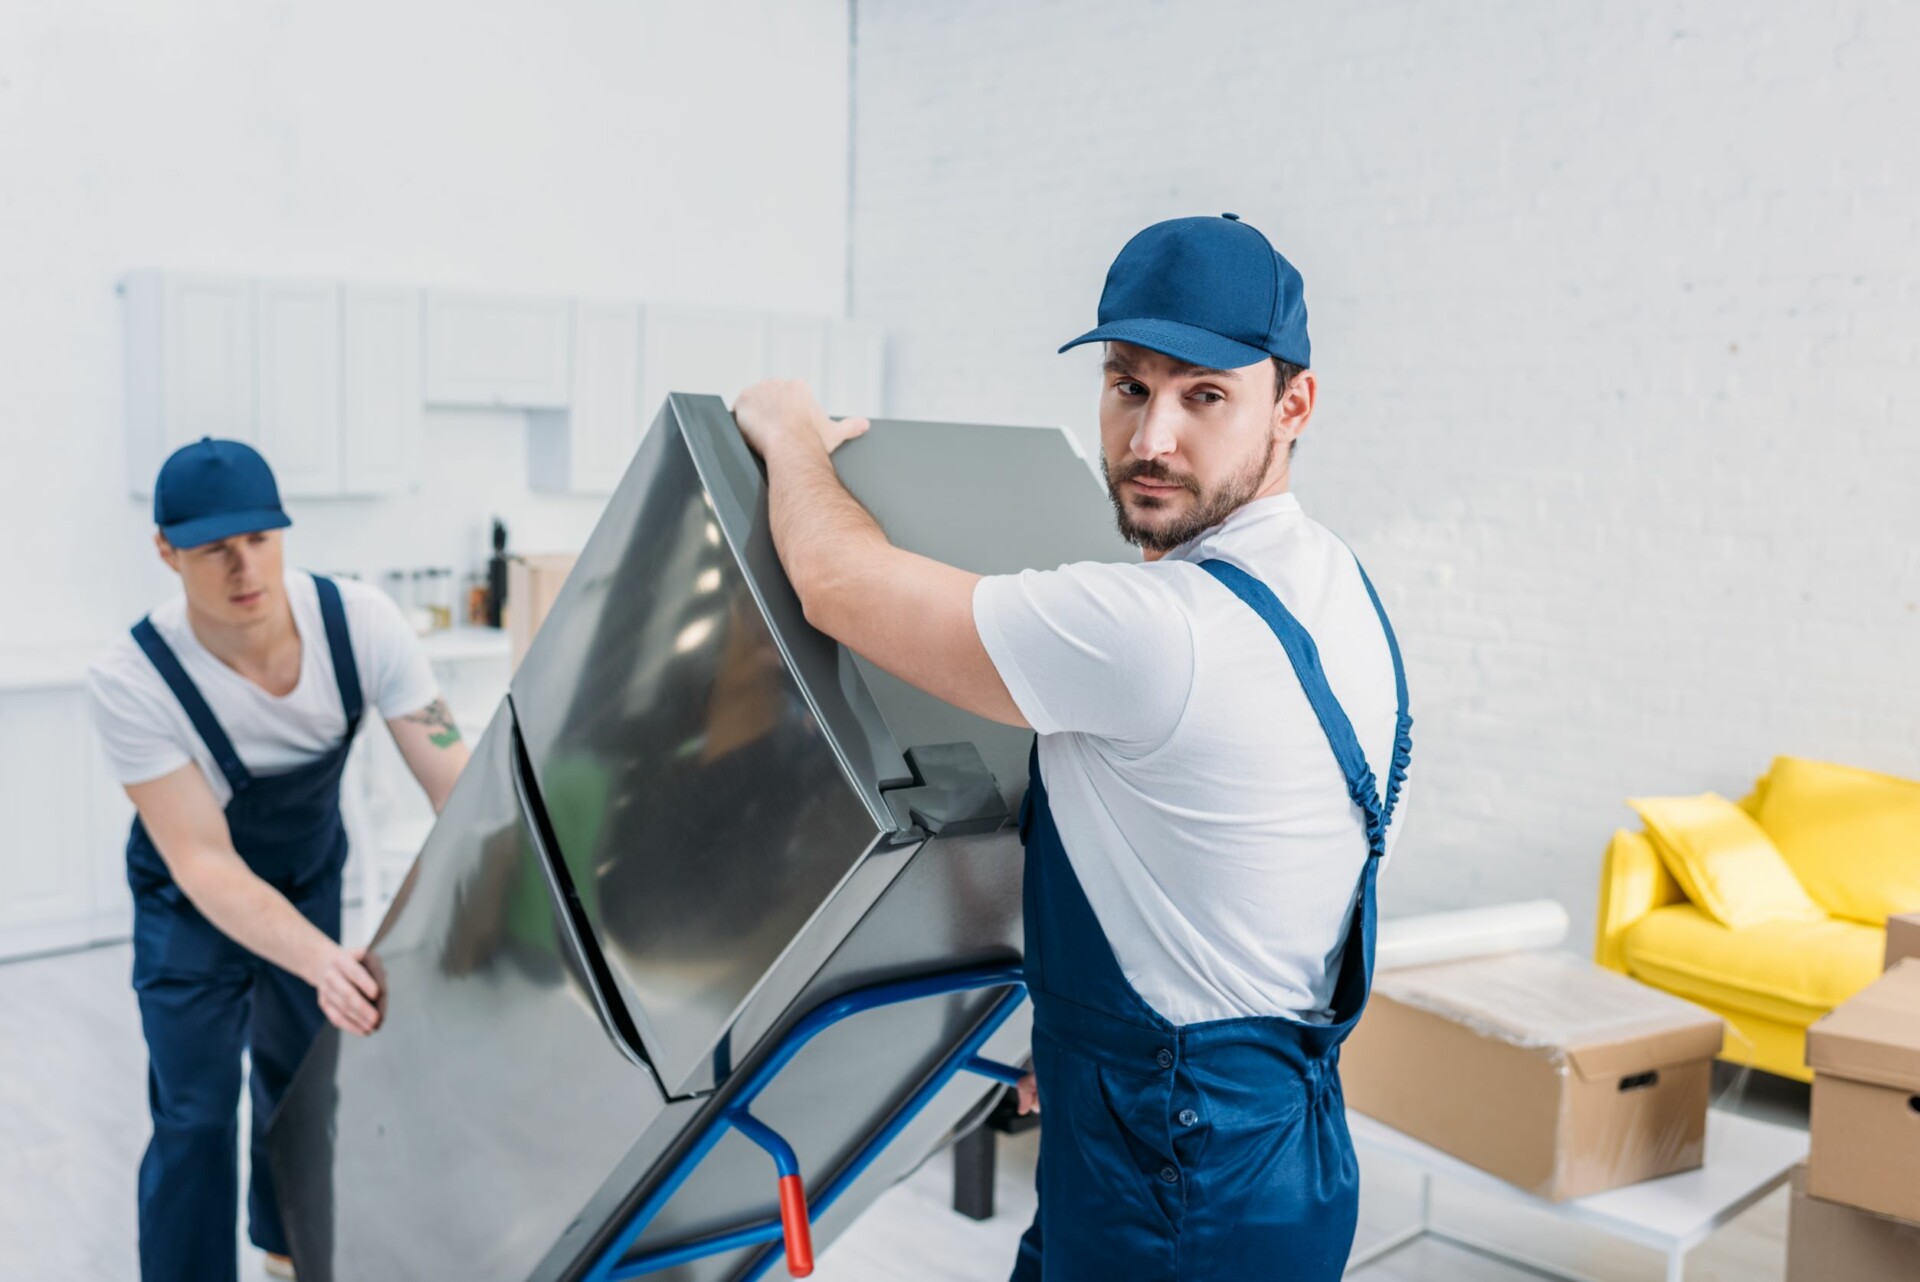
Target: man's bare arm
[(430, 743), (190, 831), (910, 614)]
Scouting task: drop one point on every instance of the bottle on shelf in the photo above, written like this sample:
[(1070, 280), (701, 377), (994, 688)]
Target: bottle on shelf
[(497, 575)]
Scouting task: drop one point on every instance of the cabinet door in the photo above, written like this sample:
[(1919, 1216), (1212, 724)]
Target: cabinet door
[(44, 794), (209, 359), (190, 366), (380, 386), (856, 369), (491, 350), (694, 349), (299, 385), (586, 450)]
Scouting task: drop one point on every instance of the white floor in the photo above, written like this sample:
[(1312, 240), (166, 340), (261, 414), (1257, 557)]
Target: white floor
[(73, 1123)]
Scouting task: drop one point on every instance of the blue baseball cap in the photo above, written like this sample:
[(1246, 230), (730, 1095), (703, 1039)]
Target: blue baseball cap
[(1207, 291), (213, 490)]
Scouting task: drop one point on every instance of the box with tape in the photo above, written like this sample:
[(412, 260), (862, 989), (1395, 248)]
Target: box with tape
[(1556, 1075)]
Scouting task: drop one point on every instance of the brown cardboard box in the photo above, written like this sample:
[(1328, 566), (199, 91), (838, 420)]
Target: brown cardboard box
[(1865, 1056), (1827, 1241), (1903, 937), (533, 583), (1558, 1076)]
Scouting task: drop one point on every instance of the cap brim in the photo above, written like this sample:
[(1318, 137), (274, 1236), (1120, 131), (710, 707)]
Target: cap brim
[(211, 529), (1183, 342)]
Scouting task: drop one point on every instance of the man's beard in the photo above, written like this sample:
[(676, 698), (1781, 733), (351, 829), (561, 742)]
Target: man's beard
[(1209, 509)]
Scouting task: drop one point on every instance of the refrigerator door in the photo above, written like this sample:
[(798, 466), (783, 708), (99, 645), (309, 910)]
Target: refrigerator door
[(496, 1098)]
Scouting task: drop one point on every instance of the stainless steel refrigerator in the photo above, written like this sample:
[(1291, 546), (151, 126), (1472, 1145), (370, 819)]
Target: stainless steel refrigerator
[(693, 821)]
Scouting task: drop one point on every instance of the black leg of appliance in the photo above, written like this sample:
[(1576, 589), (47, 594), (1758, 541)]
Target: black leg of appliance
[(973, 1173)]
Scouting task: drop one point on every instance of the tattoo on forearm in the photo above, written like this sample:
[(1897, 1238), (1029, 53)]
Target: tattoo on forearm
[(444, 734)]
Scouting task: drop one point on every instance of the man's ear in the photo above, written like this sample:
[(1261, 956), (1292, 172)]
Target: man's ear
[(1293, 408), (168, 553)]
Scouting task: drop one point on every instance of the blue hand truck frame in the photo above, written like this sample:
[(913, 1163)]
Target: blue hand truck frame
[(793, 1225)]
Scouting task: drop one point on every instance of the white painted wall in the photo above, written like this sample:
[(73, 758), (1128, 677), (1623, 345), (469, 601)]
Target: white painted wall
[(620, 148), (1616, 311)]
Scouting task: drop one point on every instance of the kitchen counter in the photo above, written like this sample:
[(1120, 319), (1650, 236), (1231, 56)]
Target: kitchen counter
[(52, 666)]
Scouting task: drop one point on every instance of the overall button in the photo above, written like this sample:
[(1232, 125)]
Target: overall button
[(1164, 1057), (1169, 1175), (1188, 1117)]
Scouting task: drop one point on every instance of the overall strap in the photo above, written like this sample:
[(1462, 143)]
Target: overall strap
[(1403, 729), (1305, 656), (168, 665), (345, 672)]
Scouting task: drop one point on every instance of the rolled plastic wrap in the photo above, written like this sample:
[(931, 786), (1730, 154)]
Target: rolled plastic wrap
[(1471, 932), (1552, 1002)]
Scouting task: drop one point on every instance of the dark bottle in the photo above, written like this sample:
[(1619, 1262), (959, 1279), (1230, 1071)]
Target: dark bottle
[(497, 575)]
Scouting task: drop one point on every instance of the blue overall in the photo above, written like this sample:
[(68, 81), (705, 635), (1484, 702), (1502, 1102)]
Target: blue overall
[(1209, 1152), (204, 998)]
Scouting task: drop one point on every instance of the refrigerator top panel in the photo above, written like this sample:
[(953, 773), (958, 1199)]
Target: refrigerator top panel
[(991, 499)]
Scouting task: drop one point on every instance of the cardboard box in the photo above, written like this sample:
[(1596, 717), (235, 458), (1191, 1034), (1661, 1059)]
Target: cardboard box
[(1865, 1056), (1547, 1071), (1903, 937), (1827, 1241), (533, 584)]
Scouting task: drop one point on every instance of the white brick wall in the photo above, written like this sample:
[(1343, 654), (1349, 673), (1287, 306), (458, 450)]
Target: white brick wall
[(1616, 312)]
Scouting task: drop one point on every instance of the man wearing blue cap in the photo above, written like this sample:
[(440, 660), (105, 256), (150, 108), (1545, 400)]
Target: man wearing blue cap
[(1203, 828), (227, 714)]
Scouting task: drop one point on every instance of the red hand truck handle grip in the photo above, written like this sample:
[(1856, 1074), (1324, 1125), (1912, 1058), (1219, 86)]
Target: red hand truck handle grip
[(796, 1227)]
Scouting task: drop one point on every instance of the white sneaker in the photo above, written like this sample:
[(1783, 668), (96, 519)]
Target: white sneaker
[(278, 1266)]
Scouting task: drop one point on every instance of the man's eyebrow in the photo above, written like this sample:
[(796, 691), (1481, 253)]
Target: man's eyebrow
[(1190, 371), (1119, 365)]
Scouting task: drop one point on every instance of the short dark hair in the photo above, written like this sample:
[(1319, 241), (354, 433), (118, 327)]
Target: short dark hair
[(1284, 372)]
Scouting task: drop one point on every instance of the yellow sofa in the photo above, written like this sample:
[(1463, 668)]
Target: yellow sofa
[(1852, 839)]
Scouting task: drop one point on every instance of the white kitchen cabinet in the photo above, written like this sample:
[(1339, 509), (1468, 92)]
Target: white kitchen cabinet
[(46, 878), (380, 389), (332, 381), (856, 369), (190, 365), (487, 349), (298, 327), (325, 379), (699, 349), (585, 449)]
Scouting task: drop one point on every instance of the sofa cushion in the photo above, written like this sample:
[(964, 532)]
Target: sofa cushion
[(1724, 861), (1851, 836), (1792, 971)]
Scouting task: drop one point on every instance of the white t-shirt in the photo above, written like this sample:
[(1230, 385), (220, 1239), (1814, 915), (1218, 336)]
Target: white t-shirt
[(1197, 796), (146, 733)]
